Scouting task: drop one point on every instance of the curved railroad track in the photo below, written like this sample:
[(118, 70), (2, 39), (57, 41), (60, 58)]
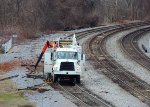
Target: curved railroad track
[(83, 34), (77, 92), (80, 96), (131, 48), (84, 98), (97, 52), (101, 60)]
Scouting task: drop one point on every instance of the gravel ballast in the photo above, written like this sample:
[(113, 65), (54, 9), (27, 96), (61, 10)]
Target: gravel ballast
[(114, 49), (49, 98), (97, 83), (145, 40), (103, 87), (31, 50)]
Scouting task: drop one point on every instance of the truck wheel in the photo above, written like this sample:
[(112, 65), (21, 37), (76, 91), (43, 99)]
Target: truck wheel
[(55, 78), (43, 73), (48, 76), (78, 79)]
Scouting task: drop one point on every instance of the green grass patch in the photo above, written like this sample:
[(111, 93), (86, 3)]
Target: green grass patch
[(10, 96)]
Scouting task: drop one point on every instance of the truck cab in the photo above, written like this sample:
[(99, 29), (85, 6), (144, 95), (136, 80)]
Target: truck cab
[(65, 64)]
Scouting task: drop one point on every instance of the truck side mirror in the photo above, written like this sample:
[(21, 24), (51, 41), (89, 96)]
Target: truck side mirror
[(83, 58), (78, 62)]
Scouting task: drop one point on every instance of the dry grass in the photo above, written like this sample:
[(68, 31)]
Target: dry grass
[(7, 66), (10, 97)]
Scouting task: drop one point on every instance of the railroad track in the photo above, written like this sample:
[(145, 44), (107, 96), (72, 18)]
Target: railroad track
[(83, 34), (131, 48), (83, 98), (98, 53), (104, 31)]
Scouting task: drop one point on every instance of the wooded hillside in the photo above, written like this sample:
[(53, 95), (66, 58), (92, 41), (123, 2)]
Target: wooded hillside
[(31, 16)]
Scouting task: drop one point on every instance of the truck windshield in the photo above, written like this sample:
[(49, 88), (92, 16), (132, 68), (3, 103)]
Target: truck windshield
[(67, 55)]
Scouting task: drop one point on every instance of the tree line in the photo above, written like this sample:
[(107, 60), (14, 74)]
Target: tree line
[(31, 16)]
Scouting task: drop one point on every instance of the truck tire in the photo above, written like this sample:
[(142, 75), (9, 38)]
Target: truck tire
[(78, 79), (55, 78), (48, 76)]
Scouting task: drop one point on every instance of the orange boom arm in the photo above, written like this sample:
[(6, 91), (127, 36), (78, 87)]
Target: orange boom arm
[(47, 44)]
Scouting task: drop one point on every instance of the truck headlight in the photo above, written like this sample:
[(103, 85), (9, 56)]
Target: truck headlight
[(55, 68), (78, 68)]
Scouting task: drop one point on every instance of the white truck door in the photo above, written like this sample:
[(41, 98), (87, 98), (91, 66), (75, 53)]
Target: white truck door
[(47, 63)]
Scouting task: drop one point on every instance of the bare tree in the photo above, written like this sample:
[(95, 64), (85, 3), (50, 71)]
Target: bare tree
[(32, 16)]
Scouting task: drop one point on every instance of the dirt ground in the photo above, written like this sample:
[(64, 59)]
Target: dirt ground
[(11, 97), (5, 67), (9, 94)]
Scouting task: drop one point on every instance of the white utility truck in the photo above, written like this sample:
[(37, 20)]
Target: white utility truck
[(65, 61)]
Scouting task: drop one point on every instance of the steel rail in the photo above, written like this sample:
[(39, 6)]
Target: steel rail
[(106, 29), (111, 67), (84, 97), (134, 52)]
